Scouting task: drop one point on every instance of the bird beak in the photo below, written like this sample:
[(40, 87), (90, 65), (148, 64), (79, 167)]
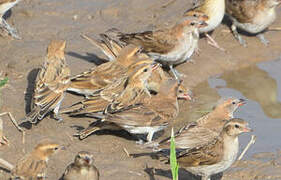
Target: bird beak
[(241, 102), (187, 97), (247, 129)]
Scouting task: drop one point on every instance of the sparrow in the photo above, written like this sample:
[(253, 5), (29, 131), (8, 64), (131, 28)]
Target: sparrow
[(251, 16), (112, 49), (218, 155), (125, 91), (5, 5), (89, 82), (148, 117), (33, 165), (214, 9), (3, 139), (205, 129), (51, 83), (83, 168), (171, 46)]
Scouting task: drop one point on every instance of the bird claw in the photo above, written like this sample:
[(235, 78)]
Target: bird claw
[(263, 39), (11, 31)]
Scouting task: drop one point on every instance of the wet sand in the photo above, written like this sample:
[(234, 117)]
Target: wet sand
[(41, 21)]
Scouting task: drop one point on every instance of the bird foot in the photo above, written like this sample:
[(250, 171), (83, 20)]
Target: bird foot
[(4, 141), (213, 43), (263, 39), (58, 118), (11, 31)]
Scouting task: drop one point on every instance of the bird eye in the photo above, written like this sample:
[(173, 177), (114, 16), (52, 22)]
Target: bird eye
[(180, 91), (233, 102), (236, 126), (56, 148), (145, 70), (194, 15), (192, 24)]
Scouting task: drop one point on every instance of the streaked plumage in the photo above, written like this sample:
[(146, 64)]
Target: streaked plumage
[(171, 46), (216, 156), (148, 117), (205, 129), (112, 49), (123, 92), (51, 84)]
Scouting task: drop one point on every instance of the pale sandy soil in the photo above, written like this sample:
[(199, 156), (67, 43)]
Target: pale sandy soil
[(41, 21)]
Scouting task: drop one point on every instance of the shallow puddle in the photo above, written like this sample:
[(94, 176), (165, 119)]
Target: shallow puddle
[(260, 85)]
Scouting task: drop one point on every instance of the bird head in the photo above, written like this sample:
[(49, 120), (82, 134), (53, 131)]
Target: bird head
[(56, 49), (236, 126), (84, 158), (46, 148), (228, 107)]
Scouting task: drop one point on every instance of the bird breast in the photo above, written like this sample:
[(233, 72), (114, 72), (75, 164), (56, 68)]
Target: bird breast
[(215, 10)]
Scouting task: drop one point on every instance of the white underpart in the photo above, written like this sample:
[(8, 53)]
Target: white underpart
[(260, 23), (231, 149), (217, 14), (5, 7), (144, 130), (181, 53)]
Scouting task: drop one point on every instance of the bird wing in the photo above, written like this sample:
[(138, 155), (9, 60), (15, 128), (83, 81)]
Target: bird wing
[(242, 10), (205, 155), (151, 41), (98, 77)]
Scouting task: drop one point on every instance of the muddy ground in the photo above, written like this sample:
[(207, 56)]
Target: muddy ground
[(38, 22)]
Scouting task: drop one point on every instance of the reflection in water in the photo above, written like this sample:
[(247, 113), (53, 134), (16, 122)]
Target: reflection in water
[(257, 85)]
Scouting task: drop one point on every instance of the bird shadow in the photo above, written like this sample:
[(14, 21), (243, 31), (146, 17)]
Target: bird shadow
[(8, 14), (89, 57), (31, 77), (183, 174)]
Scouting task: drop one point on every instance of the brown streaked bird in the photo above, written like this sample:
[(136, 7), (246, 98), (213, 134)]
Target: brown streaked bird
[(83, 168), (33, 165), (112, 49), (252, 16), (171, 46), (218, 155), (124, 92), (6, 5), (152, 115), (214, 9), (89, 82), (206, 128), (52, 81)]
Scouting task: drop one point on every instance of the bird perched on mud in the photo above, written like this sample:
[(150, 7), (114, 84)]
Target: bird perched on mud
[(218, 155), (214, 9), (205, 129), (112, 49), (124, 92), (6, 5), (33, 166), (251, 16), (171, 46), (83, 168), (152, 115), (51, 84)]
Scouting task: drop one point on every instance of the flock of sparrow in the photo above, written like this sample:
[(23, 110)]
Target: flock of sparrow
[(132, 92)]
